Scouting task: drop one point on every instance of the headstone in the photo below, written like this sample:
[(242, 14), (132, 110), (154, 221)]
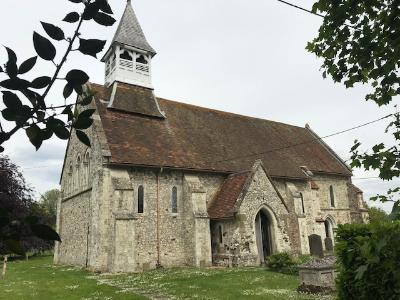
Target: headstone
[(315, 243), (328, 244)]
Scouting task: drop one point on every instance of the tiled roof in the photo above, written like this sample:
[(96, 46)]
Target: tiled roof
[(223, 204), (192, 137), (133, 99), (354, 188), (130, 32)]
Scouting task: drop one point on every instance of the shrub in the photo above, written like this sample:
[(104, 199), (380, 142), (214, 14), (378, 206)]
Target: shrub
[(281, 262), (369, 261)]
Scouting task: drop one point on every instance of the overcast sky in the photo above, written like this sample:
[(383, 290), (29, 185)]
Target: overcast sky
[(241, 56)]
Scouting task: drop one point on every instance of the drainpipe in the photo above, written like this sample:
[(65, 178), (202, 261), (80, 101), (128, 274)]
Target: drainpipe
[(158, 265)]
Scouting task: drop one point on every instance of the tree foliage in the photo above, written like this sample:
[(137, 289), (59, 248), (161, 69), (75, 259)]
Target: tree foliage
[(25, 106), (25, 101), (24, 226), (48, 205), (369, 257), (359, 42)]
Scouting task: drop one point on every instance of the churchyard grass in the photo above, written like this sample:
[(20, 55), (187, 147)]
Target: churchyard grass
[(39, 279)]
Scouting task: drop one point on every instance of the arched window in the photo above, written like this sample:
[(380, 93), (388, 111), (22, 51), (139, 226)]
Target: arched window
[(87, 167), (140, 199), (126, 55), (303, 211), (70, 181), (332, 196), (174, 200), (141, 59), (78, 173)]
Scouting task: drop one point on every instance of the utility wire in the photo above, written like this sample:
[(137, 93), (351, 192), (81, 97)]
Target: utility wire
[(301, 8), (306, 142)]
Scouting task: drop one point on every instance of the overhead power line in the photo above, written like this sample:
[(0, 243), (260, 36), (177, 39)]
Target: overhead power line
[(301, 8), (306, 142)]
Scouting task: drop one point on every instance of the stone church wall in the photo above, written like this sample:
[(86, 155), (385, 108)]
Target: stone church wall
[(262, 195), (74, 226), (176, 230)]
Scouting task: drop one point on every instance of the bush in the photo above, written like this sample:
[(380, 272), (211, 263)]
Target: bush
[(369, 261), (281, 262)]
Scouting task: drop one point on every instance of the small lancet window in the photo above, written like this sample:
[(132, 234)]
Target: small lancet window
[(140, 199), (174, 200), (125, 55), (141, 59), (302, 204), (332, 196), (220, 234)]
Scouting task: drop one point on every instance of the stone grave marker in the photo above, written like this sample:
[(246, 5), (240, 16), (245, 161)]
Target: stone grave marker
[(315, 243), (328, 244)]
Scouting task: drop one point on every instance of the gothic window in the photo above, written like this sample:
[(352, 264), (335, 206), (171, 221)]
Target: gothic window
[(78, 172), (141, 59), (87, 167), (302, 204), (70, 180), (140, 199), (174, 200), (332, 196), (125, 55)]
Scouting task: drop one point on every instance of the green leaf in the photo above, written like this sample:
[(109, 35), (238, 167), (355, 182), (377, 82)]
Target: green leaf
[(14, 246), (44, 48), (360, 271), (41, 82), (15, 84), (87, 113), (105, 7), (61, 132), (11, 101), (90, 11), (9, 114), (104, 19), (68, 89), (11, 65), (83, 138), (83, 123), (54, 32), (34, 134), (77, 77), (27, 65), (67, 111), (72, 17), (91, 47), (45, 232), (11, 55)]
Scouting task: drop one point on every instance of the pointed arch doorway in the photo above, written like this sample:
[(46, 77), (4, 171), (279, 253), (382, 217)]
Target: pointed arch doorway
[(264, 235)]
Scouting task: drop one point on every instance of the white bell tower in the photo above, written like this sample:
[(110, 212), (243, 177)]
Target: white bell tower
[(128, 60)]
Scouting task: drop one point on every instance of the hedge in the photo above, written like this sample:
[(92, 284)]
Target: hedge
[(369, 261)]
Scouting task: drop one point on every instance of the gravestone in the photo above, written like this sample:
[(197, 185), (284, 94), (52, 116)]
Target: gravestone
[(328, 244), (315, 243)]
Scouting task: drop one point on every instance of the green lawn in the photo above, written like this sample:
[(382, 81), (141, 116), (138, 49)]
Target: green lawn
[(39, 279)]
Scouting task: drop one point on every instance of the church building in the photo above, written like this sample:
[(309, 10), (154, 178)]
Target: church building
[(168, 184)]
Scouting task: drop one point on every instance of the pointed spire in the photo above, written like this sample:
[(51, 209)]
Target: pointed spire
[(130, 32)]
